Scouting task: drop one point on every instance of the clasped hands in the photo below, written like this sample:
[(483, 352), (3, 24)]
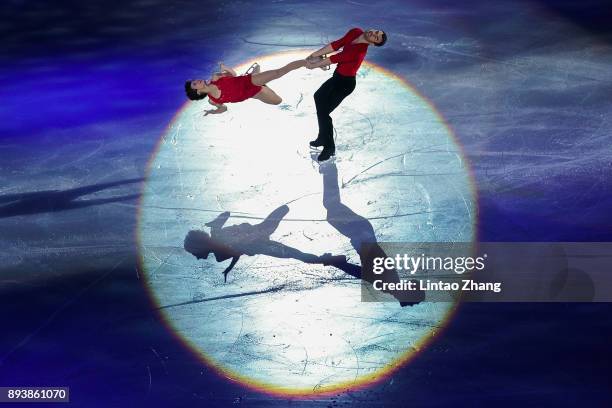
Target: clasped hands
[(313, 62)]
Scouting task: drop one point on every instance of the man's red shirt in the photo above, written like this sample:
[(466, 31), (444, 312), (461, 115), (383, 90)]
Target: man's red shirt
[(349, 60)]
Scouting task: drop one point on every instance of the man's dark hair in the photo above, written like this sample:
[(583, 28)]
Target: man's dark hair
[(383, 41), (192, 93)]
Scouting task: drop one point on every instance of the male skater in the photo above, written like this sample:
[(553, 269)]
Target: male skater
[(354, 46)]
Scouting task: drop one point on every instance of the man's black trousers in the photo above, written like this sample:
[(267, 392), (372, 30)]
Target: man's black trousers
[(327, 98)]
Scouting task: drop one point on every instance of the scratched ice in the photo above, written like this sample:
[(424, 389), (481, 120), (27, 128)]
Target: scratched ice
[(282, 322)]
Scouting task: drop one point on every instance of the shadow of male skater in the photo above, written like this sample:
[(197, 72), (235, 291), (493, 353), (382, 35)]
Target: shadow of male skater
[(246, 239), (60, 200), (359, 230)]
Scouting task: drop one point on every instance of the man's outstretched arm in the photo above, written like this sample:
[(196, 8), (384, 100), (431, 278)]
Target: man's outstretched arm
[(325, 50), (339, 43)]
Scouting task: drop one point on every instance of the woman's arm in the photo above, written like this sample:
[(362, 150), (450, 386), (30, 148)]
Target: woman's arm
[(220, 109), (225, 68), (229, 268)]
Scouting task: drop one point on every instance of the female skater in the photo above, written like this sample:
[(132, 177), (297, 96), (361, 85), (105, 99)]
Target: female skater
[(229, 87)]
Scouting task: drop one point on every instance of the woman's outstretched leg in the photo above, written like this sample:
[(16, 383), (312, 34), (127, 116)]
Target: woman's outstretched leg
[(263, 78)]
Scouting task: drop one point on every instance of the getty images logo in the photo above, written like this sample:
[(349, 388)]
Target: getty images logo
[(414, 264)]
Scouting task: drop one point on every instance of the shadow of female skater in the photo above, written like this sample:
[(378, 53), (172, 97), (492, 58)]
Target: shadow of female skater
[(360, 231), (246, 239)]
